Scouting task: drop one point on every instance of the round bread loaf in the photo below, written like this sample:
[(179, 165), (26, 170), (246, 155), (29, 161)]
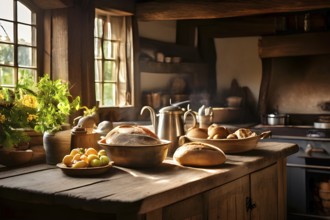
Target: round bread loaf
[(197, 133), (198, 154), (131, 135), (218, 132), (244, 133)]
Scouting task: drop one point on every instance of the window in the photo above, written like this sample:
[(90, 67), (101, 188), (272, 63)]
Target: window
[(18, 42), (113, 55)]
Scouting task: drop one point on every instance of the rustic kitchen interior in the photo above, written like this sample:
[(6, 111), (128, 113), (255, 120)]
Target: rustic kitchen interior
[(273, 57)]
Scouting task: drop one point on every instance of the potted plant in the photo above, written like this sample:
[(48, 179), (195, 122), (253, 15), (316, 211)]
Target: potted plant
[(55, 104), (18, 109)]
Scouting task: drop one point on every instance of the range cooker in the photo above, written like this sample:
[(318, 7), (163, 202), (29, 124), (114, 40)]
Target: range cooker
[(308, 171)]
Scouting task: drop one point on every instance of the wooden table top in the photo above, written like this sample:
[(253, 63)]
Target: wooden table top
[(140, 191)]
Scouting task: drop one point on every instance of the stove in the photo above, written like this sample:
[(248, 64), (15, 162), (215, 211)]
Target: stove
[(308, 170)]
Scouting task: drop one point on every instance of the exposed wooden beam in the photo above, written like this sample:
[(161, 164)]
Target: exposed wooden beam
[(53, 4), (210, 9)]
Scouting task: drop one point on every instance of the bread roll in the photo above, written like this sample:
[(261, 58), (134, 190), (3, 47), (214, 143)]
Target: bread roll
[(244, 133), (197, 133), (232, 136), (131, 135), (218, 132), (198, 154)]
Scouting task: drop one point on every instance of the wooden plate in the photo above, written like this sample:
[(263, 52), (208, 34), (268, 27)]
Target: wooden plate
[(87, 171)]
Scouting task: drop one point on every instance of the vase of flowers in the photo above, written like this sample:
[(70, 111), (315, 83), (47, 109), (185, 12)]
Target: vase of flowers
[(55, 104)]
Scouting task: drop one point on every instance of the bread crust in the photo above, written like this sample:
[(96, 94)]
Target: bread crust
[(199, 154), (131, 135)]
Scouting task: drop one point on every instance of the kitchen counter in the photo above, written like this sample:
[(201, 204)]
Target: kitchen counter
[(158, 193)]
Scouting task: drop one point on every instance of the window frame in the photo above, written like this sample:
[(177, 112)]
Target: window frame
[(130, 75), (38, 45)]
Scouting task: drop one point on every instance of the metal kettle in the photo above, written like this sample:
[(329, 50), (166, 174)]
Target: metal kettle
[(170, 123)]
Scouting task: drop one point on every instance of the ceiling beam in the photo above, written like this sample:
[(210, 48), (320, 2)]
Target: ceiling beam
[(53, 4), (210, 9)]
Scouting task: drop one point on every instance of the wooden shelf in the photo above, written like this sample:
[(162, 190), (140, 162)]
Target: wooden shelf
[(191, 68)]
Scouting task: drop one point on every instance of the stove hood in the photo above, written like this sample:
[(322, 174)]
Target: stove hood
[(294, 45)]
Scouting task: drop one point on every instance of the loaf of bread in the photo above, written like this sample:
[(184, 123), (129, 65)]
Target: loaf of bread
[(244, 133), (198, 154), (131, 135), (197, 133), (217, 132)]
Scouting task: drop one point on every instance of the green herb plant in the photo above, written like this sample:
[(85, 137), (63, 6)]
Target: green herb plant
[(55, 104)]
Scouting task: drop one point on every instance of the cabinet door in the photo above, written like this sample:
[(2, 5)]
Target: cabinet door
[(264, 194), (228, 202), (188, 209)]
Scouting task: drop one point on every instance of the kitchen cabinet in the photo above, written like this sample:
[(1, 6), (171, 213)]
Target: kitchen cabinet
[(253, 196), (166, 192)]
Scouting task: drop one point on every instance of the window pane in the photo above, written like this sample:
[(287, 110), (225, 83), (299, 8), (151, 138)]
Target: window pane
[(109, 70), (98, 30), (6, 54), (24, 14), (98, 92), (97, 48), (7, 31), (27, 56), (32, 74), (110, 49), (7, 76), (107, 31), (98, 70), (25, 34), (6, 9), (109, 94)]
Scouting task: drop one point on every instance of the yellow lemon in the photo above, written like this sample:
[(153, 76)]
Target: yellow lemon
[(76, 156), (90, 150), (102, 152), (95, 163), (74, 151), (104, 160), (84, 158), (92, 157), (67, 160), (80, 164)]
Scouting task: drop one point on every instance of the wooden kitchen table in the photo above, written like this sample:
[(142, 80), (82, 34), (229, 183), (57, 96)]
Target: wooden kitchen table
[(249, 185)]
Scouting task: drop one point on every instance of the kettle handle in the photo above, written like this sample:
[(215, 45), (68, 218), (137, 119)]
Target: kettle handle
[(152, 116), (190, 112)]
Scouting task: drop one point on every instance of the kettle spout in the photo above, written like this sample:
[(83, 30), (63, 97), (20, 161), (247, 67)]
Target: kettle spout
[(152, 116)]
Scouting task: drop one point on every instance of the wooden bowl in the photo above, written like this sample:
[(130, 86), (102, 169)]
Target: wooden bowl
[(15, 157), (229, 146), (139, 156)]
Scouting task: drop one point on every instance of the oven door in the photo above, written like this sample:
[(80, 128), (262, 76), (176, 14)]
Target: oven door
[(308, 182)]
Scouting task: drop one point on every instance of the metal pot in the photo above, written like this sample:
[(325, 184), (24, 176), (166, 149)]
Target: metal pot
[(170, 123), (276, 119)]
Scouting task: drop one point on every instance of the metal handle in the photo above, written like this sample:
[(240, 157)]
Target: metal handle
[(308, 166), (193, 117), (249, 204)]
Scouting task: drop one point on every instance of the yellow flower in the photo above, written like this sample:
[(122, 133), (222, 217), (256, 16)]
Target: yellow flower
[(31, 117), (2, 118), (29, 101), (2, 96)]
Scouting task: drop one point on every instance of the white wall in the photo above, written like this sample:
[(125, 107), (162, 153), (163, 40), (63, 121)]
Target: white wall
[(237, 58)]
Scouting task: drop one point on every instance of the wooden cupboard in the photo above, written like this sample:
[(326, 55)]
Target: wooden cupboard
[(259, 195)]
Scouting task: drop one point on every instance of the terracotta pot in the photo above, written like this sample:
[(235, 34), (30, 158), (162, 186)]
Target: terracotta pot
[(56, 146)]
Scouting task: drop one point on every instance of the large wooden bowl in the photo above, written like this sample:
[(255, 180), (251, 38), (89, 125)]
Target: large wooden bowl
[(139, 156), (229, 146)]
